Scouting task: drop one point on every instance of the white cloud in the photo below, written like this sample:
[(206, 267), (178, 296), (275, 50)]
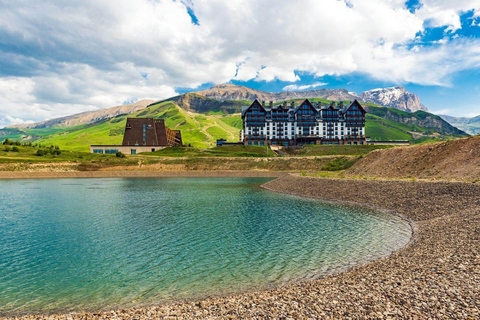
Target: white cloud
[(59, 59), (11, 120), (439, 13), (294, 87)]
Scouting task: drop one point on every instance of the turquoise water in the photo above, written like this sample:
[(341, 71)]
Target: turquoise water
[(74, 244)]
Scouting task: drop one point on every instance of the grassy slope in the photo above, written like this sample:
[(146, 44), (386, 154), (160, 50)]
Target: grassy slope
[(381, 129), (27, 154), (197, 129), (200, 130), (225, 151)]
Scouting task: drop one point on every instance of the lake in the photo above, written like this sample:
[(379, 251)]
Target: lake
[(89, 244)]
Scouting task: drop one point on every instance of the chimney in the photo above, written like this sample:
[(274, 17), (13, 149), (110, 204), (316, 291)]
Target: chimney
[(284, 104), (271, 104), (263, 103), (292, 104), (341, 104)]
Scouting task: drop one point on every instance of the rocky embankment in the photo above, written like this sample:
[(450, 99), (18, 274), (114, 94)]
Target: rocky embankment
[(436, 276), (457, 160)]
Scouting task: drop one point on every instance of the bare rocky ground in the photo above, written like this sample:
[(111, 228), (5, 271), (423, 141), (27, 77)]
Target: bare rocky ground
[(436, 276)]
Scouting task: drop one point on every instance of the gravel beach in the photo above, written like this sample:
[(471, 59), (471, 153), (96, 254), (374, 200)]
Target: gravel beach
[(436, 276)]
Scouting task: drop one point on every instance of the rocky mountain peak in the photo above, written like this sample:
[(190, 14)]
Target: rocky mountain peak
[(394, 97), (224, 92)]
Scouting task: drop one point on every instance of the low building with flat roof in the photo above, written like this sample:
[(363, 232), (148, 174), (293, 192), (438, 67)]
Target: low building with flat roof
[(142, 135)]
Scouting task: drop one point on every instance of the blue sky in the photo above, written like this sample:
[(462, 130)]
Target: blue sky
[(59, 58)]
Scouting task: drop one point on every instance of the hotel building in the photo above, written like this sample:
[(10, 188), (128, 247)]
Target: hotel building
[(307, 123)]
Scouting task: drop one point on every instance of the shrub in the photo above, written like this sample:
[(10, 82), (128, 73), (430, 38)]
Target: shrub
[(119, 154), (7, 148), (56, 152), (40, 153), (339, 164), (7, 142), (15, 149)]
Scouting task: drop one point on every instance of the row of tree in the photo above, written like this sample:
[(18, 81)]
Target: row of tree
[(10, 145)]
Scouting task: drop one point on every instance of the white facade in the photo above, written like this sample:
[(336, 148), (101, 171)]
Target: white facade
[(305, 124)]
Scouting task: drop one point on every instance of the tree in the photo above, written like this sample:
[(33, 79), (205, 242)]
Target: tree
[(119, 154), (7, 148), (15, 149), (40, 153)]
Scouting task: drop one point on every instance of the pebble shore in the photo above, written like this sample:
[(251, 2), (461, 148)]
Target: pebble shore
[(436, 276)]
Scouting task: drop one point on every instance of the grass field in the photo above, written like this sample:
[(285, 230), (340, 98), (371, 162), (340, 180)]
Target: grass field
[(175, 158), (198, 130), (202, 130), (225, 151), (26, 154)]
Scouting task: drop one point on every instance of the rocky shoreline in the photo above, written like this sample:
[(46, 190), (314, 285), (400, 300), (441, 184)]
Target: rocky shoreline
[(436, 276)]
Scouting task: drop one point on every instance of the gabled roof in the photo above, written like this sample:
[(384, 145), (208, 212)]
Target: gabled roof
[(254, 102), (308, 103), (354, 102), (329, 107)]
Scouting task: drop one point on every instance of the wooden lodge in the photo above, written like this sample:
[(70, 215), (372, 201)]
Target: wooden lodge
[(143, 135)]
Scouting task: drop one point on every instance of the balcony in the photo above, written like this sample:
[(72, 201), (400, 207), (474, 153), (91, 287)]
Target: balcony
[(307, 136)]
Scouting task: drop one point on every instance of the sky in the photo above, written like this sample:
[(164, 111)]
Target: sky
[(60, 57)]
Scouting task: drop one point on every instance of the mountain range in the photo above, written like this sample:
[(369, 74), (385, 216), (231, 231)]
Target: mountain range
[(230, 98), (394, 97), (212, 114), (469, 125)]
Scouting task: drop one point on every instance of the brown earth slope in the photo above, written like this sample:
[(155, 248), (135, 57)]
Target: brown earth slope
[(457, 160)]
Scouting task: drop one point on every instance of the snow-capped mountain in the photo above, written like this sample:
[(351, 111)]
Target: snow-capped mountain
[(394, 97)]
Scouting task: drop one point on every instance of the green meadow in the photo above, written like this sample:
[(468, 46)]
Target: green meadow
[(201, 130)]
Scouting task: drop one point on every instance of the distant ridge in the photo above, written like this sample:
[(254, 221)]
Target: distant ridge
[(230, 98), (225, 92), (469, 125), (87, 117), (393, 97)]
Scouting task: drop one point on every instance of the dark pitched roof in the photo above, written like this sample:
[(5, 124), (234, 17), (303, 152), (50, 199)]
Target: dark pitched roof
[(253, 103), (354, 102)]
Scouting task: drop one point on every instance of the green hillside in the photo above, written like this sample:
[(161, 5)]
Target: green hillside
[(200, 130), (203, 129)]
